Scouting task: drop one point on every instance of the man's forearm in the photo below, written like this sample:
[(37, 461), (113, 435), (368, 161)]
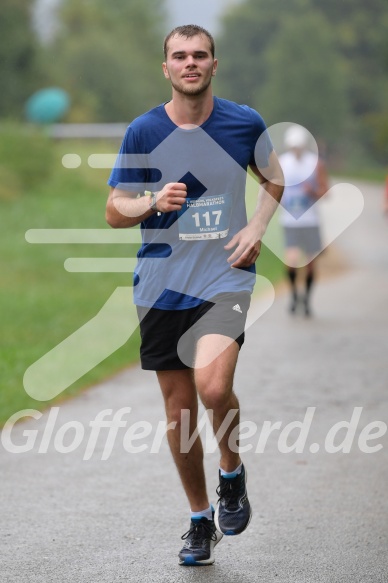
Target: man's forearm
[(124, 210), (268, 201)]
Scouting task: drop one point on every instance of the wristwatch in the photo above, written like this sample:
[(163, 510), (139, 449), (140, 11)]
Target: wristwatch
[(152, 202)]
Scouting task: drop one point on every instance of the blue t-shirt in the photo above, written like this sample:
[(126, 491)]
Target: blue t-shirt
[(182, 260)]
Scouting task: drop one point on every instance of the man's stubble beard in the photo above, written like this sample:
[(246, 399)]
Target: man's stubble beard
[(191, 91)]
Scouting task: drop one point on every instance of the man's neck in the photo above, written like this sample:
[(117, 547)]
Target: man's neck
[(189, 110)]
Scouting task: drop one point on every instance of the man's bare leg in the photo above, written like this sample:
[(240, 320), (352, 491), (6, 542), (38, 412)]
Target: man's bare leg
[(179, 393), (214, 383)]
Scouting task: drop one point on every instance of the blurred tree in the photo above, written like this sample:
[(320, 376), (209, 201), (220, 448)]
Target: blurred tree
[(361, 37), (360, 30), (305, 78), (248, 29), (269, 55), (18, 57), (108, 56)]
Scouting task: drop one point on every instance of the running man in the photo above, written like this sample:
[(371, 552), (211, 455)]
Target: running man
[(196, 265)]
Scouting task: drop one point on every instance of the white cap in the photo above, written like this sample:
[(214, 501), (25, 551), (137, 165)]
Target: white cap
[(296, 136)]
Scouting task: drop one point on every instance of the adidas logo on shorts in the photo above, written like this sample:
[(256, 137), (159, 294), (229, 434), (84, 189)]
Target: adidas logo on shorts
[(237, 308)]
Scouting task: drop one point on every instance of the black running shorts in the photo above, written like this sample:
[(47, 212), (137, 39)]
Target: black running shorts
[(161, 330)]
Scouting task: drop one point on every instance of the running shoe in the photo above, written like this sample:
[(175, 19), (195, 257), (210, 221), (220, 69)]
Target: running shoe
[(200, 540), (233, 512)]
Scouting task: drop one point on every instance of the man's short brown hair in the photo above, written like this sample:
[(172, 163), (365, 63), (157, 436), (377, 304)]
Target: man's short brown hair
[(188, 31)]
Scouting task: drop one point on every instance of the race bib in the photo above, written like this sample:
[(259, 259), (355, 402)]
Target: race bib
[(296, 202), (207, 217)]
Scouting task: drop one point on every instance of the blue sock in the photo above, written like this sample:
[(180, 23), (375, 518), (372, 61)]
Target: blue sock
[(207, 513), (233, 474)]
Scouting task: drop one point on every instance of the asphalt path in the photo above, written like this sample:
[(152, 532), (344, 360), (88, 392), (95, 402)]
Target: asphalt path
[(320, 515)]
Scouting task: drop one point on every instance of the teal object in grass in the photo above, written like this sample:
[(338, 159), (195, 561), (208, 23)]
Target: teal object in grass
[(47, 105)]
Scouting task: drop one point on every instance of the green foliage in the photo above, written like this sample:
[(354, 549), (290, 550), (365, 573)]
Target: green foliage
[(249, 29), (320, 63), (25, 159), (304, 71), (108, 57), (361, 38), (362, 41), (19, 68)]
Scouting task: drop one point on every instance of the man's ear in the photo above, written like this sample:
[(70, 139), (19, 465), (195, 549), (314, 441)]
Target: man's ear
[(165, 71), (215, 65)]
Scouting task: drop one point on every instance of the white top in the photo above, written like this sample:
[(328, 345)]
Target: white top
[(298, 208)]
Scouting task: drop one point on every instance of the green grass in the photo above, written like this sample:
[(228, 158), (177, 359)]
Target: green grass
[(42, 304)]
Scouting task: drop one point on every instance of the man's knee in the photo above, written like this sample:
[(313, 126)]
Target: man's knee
[(215, 396)]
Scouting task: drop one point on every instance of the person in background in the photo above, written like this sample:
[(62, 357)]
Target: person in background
[(306, 180)]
